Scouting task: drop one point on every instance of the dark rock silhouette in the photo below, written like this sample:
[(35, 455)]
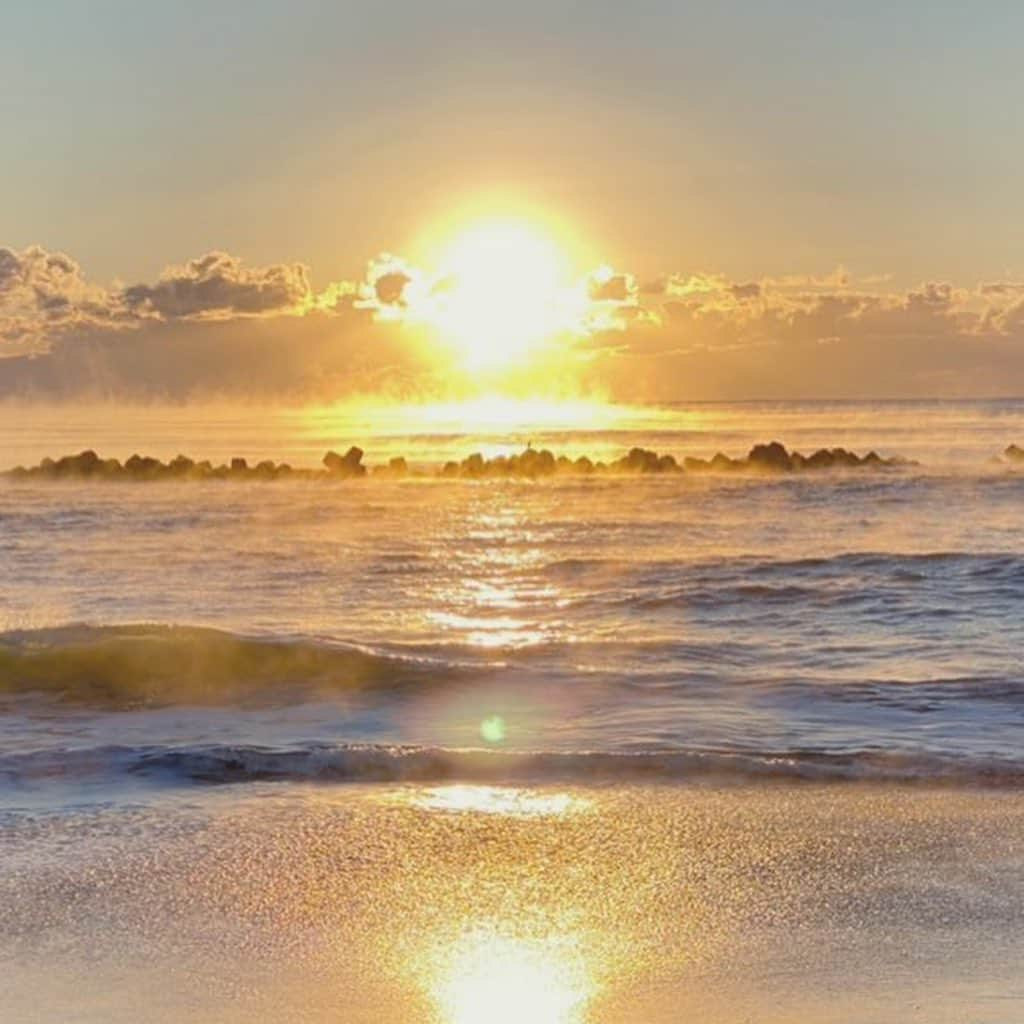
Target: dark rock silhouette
[(531, 464), (770, 456), (397, 467), (181, 465), (86, 463), (347, 465), (774, 458)]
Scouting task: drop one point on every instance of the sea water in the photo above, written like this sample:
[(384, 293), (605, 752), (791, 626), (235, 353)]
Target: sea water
[(528, 639)]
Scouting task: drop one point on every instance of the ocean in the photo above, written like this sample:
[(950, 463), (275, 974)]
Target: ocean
[(739, 745)]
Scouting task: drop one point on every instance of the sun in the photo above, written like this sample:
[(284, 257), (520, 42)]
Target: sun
[(503, 292)]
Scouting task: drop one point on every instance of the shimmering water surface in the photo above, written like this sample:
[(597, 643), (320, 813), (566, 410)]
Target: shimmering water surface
[(372, 661), (875, 615)]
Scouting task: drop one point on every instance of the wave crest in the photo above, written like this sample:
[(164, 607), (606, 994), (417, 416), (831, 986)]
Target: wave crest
[(158, 664), (370, 763)]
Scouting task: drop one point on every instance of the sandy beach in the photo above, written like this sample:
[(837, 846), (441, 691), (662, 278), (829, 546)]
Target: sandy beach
[(460, 904)]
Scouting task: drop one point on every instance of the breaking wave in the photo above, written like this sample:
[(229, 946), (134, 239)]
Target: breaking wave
[(129, 665), (368, 763)]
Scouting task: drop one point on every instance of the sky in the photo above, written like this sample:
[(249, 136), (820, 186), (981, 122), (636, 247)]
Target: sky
[(789, 193)]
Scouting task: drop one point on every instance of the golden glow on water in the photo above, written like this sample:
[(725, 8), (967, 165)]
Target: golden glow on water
[(490, 604), (480, 631), (481, 413), (501, 800), (496, 979)]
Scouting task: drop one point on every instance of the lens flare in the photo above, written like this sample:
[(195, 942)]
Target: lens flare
[(492, 729)]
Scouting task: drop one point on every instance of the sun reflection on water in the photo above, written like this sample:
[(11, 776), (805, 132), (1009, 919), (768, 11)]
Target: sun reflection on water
[(490, 978), (506, 800), (493, 598)]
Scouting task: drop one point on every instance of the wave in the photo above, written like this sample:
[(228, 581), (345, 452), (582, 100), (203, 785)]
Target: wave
[(367, 763), (744, 584), (127, 665)]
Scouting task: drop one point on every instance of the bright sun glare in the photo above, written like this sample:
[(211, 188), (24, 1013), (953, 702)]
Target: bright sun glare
[(498, 980), (504, 291)]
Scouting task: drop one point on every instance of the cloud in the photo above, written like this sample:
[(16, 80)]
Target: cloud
[(45, 297), (607, 286), (390, 287), (715, 341), (1001, 288), (44, 294), (216, 326), (217, 285), (745, 292)]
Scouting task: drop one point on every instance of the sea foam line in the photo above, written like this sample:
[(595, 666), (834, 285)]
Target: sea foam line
[(377, 763)]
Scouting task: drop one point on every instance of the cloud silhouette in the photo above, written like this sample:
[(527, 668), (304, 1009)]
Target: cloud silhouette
[(611, 287), (390, 287), (218, 285)]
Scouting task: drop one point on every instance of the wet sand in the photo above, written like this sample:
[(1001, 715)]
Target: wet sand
[(460, 904)]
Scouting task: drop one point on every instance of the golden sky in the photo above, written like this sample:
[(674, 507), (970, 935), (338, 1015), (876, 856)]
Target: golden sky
[(650, 201)]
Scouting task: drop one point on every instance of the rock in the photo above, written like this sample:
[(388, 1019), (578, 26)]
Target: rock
[(142, 467), (530, 463), (84, 464), (846, 459), (639, 460), (526, 463), (1014, 453), (821, 459), (347, 465), (771, 456)]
